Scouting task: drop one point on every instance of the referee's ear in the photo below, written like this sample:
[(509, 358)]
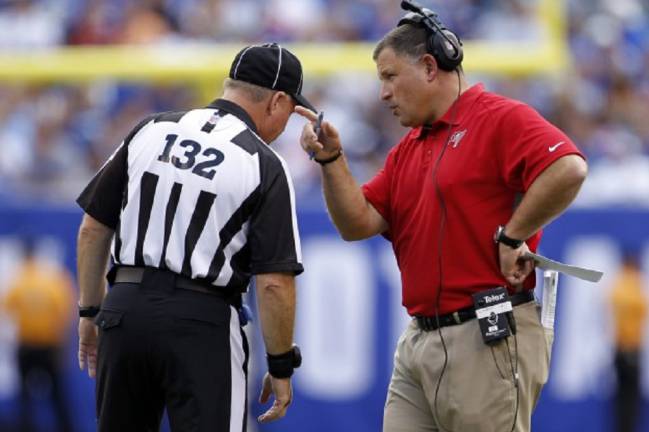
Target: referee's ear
[(279, 101)]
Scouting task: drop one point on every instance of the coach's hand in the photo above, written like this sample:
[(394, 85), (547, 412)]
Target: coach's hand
[(322, 146), (281, 388), (513, 265), (88, 345)]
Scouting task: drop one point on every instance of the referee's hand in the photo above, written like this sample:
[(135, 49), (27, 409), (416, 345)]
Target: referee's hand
[(88, 346), (281, 388), (321, 146)]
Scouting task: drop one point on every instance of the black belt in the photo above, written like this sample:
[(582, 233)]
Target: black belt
[(136, 274), (428, 323)]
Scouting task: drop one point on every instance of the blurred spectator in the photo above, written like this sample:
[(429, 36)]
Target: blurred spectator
[(147, 22), (629, 302), (512, 20), (55, 137), (40, 301), (98, 23), (28, 24)]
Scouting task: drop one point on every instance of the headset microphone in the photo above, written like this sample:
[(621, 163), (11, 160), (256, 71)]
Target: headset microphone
[(441, 43), (412, 6)]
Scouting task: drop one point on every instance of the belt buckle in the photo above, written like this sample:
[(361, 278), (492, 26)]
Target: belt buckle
[(456, 317), (423, 323)]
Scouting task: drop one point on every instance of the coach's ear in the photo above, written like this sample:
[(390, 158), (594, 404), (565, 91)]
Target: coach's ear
[(430, 65)]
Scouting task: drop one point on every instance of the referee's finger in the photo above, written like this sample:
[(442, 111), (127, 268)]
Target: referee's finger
[(277, 411), (266, 391), (92, 365)]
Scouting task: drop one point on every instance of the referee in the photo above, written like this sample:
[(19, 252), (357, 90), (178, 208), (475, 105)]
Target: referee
[(191, 205)]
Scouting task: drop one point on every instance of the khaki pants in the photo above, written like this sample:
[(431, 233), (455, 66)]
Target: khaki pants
[(477, 391)]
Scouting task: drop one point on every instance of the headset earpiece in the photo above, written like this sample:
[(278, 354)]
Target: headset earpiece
[(446, 50), (441, 43)]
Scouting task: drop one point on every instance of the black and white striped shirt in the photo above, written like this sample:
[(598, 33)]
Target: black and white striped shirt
[(200, 194)]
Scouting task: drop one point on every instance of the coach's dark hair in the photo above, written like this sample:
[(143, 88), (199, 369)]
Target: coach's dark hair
[(405, 40)]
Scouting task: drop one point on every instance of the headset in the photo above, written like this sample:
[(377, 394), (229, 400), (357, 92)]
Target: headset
[(441, 43)]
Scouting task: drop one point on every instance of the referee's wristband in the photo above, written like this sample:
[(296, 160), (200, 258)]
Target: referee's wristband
[(283, 365), (88, 311), (324, 162)]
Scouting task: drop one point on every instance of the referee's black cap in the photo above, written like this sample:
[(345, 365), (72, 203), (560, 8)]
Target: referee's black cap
[(271, 66)]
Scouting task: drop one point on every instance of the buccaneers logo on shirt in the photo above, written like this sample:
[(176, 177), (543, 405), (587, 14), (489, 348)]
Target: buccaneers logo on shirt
[(455, 139)]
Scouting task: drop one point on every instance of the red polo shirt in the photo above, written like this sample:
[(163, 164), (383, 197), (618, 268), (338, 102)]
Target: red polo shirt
[(496, 149)]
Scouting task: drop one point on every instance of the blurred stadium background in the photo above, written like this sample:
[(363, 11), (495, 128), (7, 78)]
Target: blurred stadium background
[(76, 75)]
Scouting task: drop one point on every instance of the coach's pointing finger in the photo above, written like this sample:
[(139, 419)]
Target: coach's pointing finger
[(319, 146), (306, 113)]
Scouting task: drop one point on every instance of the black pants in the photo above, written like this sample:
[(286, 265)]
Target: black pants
[(165, 347), (627, 397), (40, 366)]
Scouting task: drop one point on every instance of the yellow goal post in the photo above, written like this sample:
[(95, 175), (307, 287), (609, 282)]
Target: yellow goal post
[(204, 66)]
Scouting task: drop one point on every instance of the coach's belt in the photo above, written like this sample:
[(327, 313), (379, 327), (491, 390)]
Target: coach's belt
[(428, 323), (136, 274)]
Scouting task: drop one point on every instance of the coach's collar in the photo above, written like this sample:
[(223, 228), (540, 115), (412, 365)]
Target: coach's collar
[(235, 110), (456, 113)]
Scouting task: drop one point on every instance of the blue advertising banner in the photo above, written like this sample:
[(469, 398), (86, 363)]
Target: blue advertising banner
[(350, 317)]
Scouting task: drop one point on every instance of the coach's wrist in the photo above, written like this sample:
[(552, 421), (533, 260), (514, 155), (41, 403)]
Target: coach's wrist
[(324, 160), (501, 238)]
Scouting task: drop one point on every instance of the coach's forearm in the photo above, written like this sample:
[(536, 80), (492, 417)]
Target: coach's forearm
[(350, 212), (276, 303), (549, 195), (93, 251)]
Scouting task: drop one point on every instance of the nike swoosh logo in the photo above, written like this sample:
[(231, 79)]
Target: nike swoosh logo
[(556, 146)]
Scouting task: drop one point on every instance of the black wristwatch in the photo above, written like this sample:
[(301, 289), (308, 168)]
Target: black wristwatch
[(500, 237), (283, 365), (88, 311)]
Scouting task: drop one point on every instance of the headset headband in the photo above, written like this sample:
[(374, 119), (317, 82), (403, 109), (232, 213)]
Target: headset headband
[(445, 45), (423, 17)]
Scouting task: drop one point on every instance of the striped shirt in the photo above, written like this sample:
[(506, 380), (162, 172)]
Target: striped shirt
[(198, 193)]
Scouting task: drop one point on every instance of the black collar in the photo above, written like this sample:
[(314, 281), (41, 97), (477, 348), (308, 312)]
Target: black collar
[(235, 110)]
